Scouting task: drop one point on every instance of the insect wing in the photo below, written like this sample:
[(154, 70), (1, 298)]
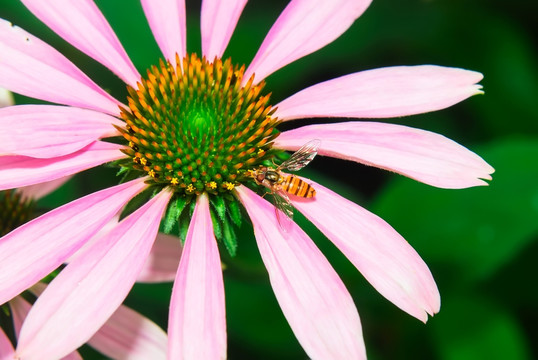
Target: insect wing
[(302, 157), (283, 210)]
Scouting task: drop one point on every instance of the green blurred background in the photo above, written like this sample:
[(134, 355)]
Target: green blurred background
[(480, 243)]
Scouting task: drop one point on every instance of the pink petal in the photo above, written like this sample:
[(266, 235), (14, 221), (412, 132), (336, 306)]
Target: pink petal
[(19, 310), (38, 191), (303, 27), (45, 131), (6, 349), (197, 320), (89, 290), (422, 155), (30, 67), (167, 21), (219, 19), (72, 356), (6, 98), (314, 300), (383, 93), (82, 25), (382, 255), (37, 290), (33, 250), (163, 260), (129, 335), (17, 171)]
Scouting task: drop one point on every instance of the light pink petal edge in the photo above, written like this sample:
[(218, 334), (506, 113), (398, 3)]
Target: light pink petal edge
[(163, 260), (31, 67), (6, 348), (197, 320), (37, 191), (129, 335), (167, 20), (17, 171), (82, 24), (38, 289), (19, 310), (313, 298), (45, 131), (303, 27), (421, 155), (89, 290), (383, 93), (218, 22), (382, 255), (35, 249)]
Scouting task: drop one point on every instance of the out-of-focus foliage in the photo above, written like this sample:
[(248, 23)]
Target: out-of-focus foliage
[(481, 244)]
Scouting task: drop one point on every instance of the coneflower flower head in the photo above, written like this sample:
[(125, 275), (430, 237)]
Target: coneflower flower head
[(198, 127), (187, 141)]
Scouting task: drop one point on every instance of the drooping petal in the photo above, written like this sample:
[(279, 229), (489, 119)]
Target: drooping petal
[(218, 22), (17, 171), (19, 310), (82, 25), (163, 260), (35, 249), (314, 300), (167, 20), (45, 131), (30, 67), (197, 321), (303, 27), (37, 290), (383, 93), (382, 255), (89, 290), (6, 348), (38, 191), (6, 98), (422, 155), (129, 335), (75, 355)]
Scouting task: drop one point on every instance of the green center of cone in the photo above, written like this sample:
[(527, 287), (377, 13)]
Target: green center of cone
[(197, 127)]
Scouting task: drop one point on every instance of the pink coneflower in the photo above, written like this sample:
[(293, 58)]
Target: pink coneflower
[(194, 129), (126, 334)]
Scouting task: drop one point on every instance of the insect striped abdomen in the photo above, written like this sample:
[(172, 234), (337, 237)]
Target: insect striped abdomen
[(295, 186)]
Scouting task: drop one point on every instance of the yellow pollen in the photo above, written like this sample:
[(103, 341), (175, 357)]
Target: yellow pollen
[(174, 181), (212, 185), (260, 151), (131, 144), (144, 161), (190, 188), (228, 185), (151, 173)]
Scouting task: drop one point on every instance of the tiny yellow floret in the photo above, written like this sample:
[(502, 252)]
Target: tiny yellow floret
[(228, 185), (190, 188), (174, 181)]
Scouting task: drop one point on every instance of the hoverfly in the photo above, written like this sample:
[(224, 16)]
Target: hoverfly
[(280, 184)]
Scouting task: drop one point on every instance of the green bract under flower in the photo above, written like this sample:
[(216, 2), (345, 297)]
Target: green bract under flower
[(196, 128), (15, 210)]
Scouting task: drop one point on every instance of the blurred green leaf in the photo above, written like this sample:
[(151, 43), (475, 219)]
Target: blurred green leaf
[(474, 328), (473, 231)]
